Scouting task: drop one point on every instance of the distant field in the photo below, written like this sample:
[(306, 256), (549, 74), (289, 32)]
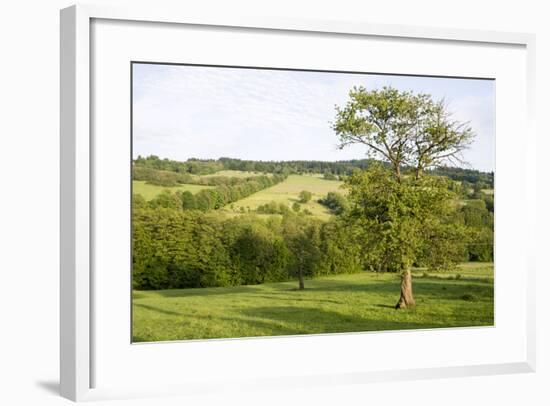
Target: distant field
[(234, 174), (343, 303), (287, 192), (150, 191)]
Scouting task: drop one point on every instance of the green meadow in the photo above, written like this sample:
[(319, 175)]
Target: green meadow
[(149, 191), (287, 192), (233, 174), (333, 304)]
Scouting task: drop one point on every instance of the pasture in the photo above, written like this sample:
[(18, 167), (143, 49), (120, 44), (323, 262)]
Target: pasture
[(234, 174), (333, 304), (287, 192), (149, 191)]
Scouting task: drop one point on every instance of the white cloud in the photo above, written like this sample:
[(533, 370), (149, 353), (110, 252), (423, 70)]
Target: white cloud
[(188, 111)]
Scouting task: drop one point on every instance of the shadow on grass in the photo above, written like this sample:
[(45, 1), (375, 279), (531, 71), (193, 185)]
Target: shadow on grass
[(157, 309), (309, 320), (191, 292), (385, 306), (436, 288)]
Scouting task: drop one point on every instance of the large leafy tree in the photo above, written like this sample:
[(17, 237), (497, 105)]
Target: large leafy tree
[(397, 221), (403, 128), (401, 215)]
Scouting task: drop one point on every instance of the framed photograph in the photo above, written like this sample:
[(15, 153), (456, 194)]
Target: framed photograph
[(267, 203)]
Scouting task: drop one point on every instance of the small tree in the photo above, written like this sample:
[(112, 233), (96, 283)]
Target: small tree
[(305, 196), (187, 200), (301, 238)]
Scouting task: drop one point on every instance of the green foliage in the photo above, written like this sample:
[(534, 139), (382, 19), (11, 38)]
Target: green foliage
[(213, 198), (193, 166), (401, 128), (398, 221), (296, 207), (336, 202), (302, 239), (138, 202), (329, 176), (175, 248), (479, 222), (228, 170), (305, 196), (287, 192), (188, 201), (167, 200)]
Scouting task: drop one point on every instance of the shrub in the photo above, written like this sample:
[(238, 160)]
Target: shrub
[(305, 196), (335, 201)]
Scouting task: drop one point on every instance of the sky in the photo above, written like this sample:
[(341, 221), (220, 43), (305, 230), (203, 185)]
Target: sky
[(182, 112)]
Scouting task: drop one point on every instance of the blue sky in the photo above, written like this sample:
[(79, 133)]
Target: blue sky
[(181, 112)]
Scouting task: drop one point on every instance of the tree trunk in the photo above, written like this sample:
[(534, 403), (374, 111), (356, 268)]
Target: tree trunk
[(418, 172), (397, 170), (406, 300), (301, 280)]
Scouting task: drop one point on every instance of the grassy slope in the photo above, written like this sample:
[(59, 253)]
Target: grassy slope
[(234, 174), (149, 191), (287, 192), (344, 303)]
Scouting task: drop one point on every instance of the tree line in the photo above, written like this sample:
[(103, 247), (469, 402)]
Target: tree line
[(189, 249), (144, 169), (209, 199), (192, 248)]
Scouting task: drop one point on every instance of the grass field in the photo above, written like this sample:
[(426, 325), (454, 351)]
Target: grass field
[(287, 192), (344, 303), (149, 191), (234, 174)]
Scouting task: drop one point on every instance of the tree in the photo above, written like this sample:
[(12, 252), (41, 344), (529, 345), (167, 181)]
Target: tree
[(296, 207), (335, 201), (401, 128), (301, 237), (329, 176), (405, 130), (187, 200), (305, 196), (166, 199), (397, 219)]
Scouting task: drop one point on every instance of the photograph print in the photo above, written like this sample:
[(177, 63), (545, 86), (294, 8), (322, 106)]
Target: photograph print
[(276, 202)]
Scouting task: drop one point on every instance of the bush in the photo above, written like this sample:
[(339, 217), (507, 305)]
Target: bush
[(329, 176), (336, 202), (305, 196)]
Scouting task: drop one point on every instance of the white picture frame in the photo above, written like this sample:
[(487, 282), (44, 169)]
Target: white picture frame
[(76, 278)]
